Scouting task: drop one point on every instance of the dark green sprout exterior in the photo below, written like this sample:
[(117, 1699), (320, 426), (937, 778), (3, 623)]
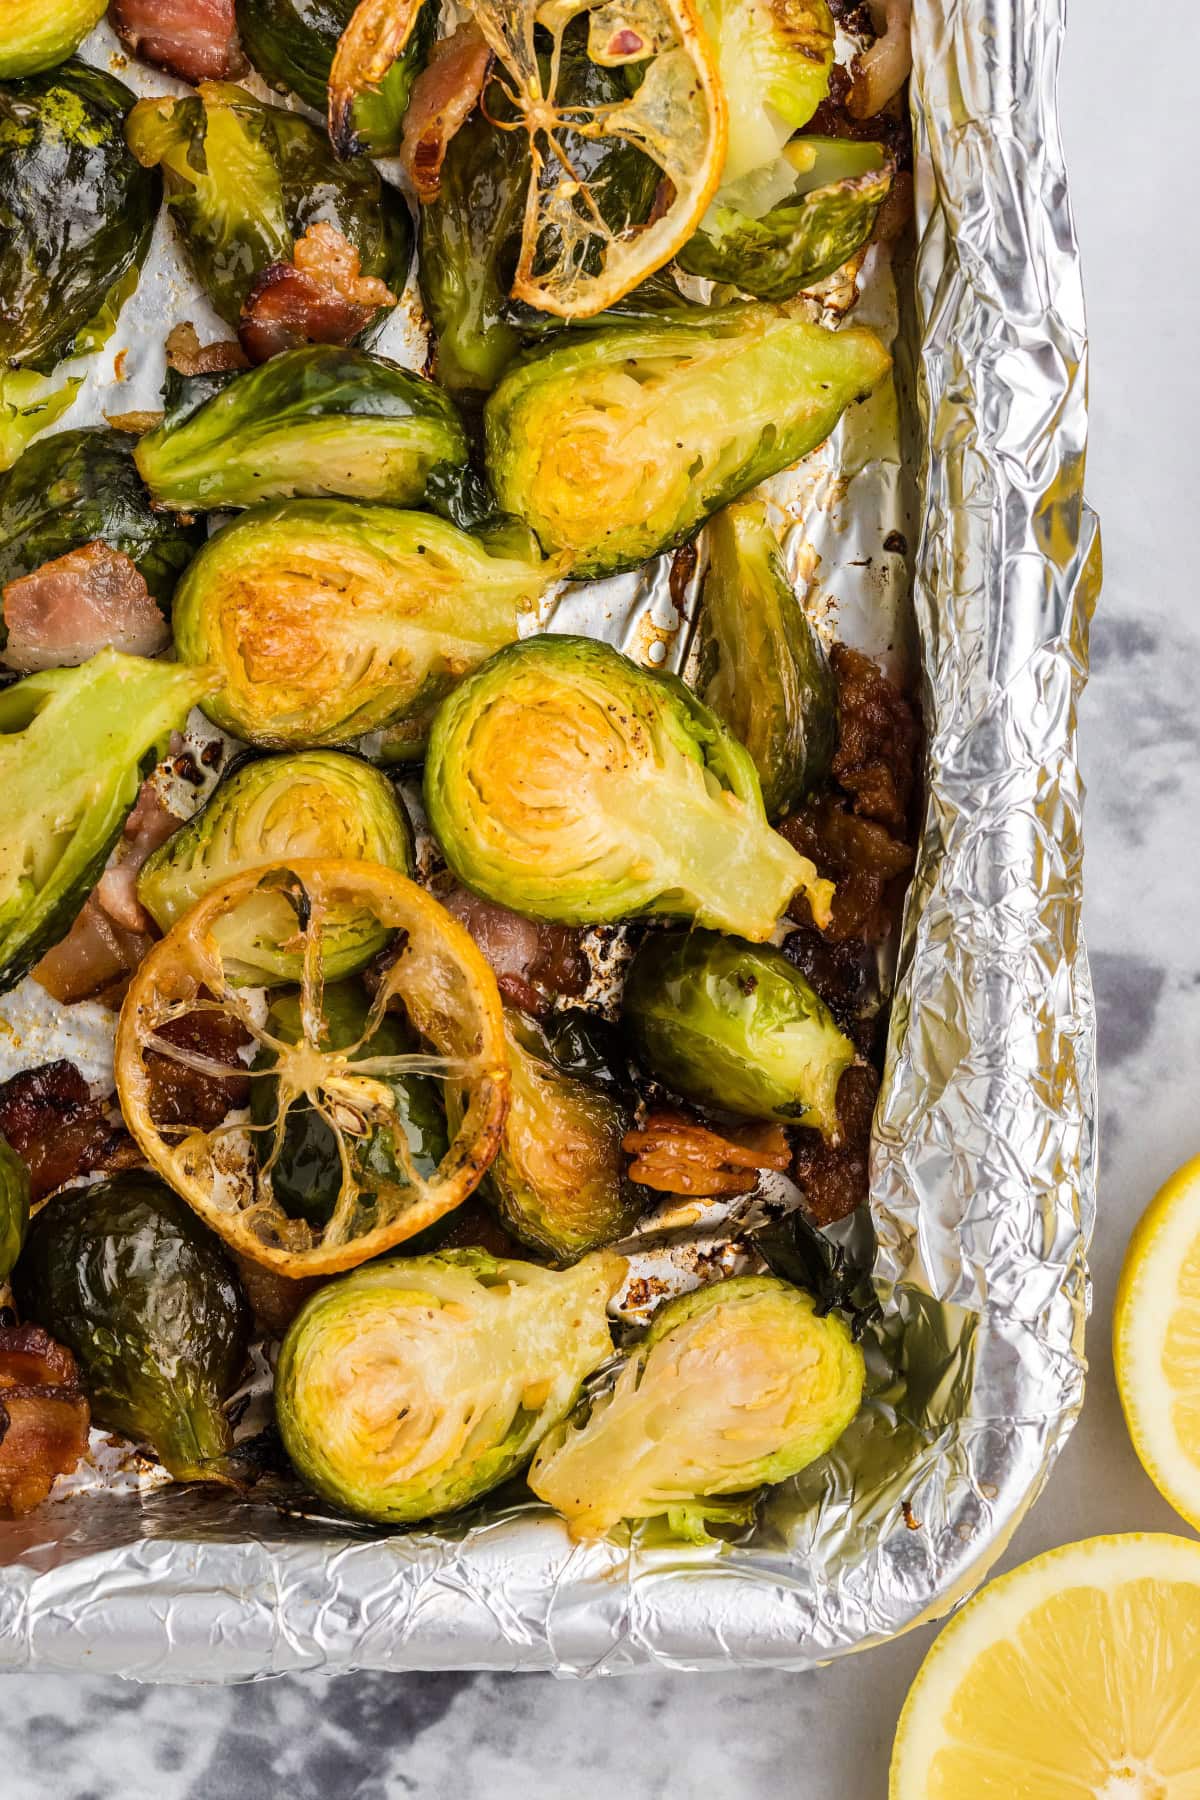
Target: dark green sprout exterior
[(828, 215), (734, 1026), (74, 746), (76, 214), (125, 1276), (307, 1174), (567, 782), (78, 486), (318, 803), (616, 444), (320, 421), (243, 181), (14, 1207), (45, 33), (291, 44), (763, 668)]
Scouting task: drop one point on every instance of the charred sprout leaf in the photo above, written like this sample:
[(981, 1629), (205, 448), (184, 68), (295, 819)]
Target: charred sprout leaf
[(322, 420), (782, 230), (14, 1207), (74, 744), (734, 1026), (415, 1386), (306, 1176), (80, 486), (328, 619), (615, 444), (566, 782), (734, 1385), (42, 33), (320, 803), (291, 44), (775, 58), (76, 214), (127, 1278), (764, 670), (793, 1248)]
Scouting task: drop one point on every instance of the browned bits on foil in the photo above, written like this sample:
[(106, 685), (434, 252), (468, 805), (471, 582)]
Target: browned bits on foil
[(834, 1177), (863, 860), (44, 1417), (52, 1122), (878, 739), (183, 1095), (674, 1154)]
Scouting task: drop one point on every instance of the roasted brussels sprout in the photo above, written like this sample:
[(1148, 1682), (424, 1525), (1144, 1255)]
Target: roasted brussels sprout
[(79, 486), (306, 1173), (321, 803), (568, 783), (737, 1384), (322, 420), (764, 670), (76, 214), (14, 1207), (243, 181), (291, 44), (415, 1385), (125, 1276), (775, 58), (735, 1026), (617, 443), (73, 745), (328, 619), (558, 1182), (772, 247), (41, 33)]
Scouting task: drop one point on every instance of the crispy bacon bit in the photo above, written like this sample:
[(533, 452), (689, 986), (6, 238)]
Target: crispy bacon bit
[(193, 39), (676, 1155), (881, 71), (55, 1126), (878, 738), (44, 1417), (532, 962), (320, 297), (835, 1178), (186, 1089), (72, 607), (137, 424), (188, 356), (444, 96), (864, 861)]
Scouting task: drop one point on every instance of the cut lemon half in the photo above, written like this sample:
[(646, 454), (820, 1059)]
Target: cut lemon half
[(1076, 1677), (223, 1168), (1156, 1341)]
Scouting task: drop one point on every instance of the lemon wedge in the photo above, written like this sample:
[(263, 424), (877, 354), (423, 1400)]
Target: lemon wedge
[(1075, 1677)]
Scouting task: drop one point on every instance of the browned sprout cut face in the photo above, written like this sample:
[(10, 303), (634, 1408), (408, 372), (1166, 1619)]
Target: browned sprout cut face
[(223, 1169)]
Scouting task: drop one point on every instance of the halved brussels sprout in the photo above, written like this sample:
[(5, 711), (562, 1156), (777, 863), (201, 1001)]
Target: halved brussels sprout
[(772, 243), (763, 669), (617, 443), (735, 1026), (322, 420), (244, 180), (737, 1384), (79, 486), (321, 803), (14, 1207), (38, 34), (775, 58), (73, 748), (306, 1176), (328, 619), (415, 1386), (558, 1182), (291, 44), (129, 1280), (568, 783)]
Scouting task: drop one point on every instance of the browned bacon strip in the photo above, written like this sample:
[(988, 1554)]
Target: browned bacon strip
[(318, 298), (444, 96), (44, 1417), (72, 607), (55, 1126), (193, 39)]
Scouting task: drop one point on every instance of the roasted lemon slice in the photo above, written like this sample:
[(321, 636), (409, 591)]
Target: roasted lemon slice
[(572, 261), (223, 1169)]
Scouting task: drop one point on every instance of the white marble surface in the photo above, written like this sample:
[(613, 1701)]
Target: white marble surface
[(826, 1736)]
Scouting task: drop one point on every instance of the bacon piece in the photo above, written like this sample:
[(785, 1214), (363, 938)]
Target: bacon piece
[(865, 862), (72, 607), (44, 1417), (320, 297), (443, 97), (55, 1126), (150, 824), (193, 39), (674, 1154), (185, 1092), (881, 71), (531, 961), (188, 356)]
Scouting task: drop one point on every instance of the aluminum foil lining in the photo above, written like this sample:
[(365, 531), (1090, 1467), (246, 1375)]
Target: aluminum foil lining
[(984, 1162)]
